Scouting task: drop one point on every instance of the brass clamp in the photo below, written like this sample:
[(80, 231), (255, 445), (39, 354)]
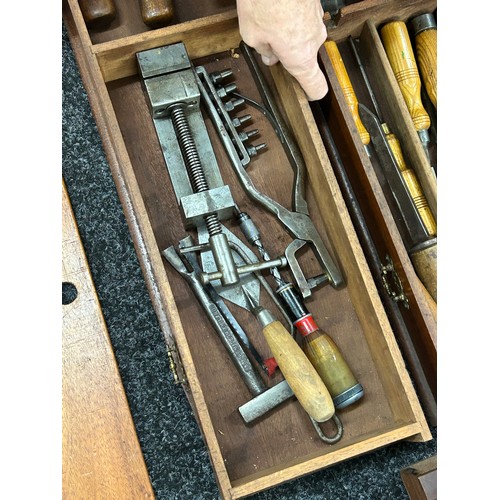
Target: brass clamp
[(392, 283)]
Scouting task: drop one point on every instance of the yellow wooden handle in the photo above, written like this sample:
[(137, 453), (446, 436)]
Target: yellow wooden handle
[(400, 54), (157, 13), (425, 264), (97, 13), (300, 374), (412, 184), (426, 49), (326, 357), (347, 89)]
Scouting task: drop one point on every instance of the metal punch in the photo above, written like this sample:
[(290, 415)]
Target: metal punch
[(296, 222)]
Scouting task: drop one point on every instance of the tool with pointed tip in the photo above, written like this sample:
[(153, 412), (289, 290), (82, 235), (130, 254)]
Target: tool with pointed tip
[(318, 346), (408, 174), (304, 380), (424, 30), (157, 13), (399, 51), (97, 13)]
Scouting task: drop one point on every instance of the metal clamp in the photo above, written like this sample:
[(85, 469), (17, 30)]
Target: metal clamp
[(390, 279)]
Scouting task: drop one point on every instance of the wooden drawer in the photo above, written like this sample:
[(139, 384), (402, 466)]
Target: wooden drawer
[(283, 445)]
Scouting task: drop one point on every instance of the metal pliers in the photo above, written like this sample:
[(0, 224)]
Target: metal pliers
[(296, 222)]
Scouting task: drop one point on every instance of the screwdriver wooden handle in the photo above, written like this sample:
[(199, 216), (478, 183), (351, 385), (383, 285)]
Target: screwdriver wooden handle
[(425, 264), (412, 183), (400, 54), (426, 51), (157, 13), (300, 374), (347, 89), (97, 13)]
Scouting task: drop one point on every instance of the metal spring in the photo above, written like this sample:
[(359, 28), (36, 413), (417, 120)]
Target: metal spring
[(188, 148), (213, 224), (193, 163)]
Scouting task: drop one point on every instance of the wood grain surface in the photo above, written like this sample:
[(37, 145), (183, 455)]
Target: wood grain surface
[(101, 453)]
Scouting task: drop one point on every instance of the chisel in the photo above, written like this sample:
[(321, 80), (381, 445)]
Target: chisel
[(399, 51), (417, 232), (304, 380), (424, 30), (157, 13), (97, 13), (408, 174)]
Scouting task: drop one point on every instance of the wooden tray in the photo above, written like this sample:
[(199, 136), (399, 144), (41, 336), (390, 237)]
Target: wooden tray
[(283, 445)]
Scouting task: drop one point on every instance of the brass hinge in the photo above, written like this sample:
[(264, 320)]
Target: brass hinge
[(175, 365), (392, 283)]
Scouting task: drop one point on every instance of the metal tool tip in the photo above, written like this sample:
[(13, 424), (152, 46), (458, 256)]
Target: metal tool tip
[(252, 305)]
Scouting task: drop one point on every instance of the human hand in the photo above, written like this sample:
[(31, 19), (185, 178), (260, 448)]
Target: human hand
[(289, 31)]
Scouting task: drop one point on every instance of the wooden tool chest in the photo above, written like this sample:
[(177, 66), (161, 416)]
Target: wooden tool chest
[(282, 445)]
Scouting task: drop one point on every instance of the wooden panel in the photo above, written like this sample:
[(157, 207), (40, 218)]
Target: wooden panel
[(101, 453), (420, 479)]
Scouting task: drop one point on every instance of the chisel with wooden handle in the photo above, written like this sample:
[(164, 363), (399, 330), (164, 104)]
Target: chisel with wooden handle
[(421, 246), (304, 380), (411, 212), (424, 31), (399, 51), (411, 180), (97, 13), (157, 13)]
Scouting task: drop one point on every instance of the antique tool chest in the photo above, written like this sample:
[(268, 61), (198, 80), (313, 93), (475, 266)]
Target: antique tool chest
[(283, 445)]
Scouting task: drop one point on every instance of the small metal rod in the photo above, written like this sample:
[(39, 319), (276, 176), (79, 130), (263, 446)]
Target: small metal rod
[(248, 268), (265, 285)]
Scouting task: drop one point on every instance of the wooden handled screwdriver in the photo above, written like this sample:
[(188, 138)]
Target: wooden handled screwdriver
[(424, 31), (298, 371), (157, 13), (97, 13), (399, 51)]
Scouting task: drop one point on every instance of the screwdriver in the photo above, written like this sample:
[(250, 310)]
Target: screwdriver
[(320, 349), (399, 51), (98, 13), (157, 13), (348, 90), (408, 174), (424, 30), (298, 371)]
